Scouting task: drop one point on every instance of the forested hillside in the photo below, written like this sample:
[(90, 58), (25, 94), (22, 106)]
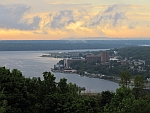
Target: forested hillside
[(140, 52), (33, 95)]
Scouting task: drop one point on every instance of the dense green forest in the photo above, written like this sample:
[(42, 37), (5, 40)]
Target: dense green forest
[(140, 52), (95, 68), (33, 95), (111, 71)]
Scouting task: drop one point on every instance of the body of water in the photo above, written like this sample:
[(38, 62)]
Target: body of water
[(32, 65)]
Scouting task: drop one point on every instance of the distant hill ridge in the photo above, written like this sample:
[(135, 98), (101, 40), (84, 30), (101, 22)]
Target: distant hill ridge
[(132, 42), (39, 45)]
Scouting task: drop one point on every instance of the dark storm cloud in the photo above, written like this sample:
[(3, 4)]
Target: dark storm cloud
[(11, 17)]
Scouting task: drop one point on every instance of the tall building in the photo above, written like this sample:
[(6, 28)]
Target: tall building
[(93, 58), (104, 57)]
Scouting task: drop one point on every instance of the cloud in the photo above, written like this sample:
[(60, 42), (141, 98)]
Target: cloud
[(71, 22), (112, 16), (62, 19), (12, 17), (111, 8), (132, 25)]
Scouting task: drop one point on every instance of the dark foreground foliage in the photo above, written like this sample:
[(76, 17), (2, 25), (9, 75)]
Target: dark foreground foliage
[(33, 95)]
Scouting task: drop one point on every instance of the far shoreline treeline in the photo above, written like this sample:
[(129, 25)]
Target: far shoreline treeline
[(43, 45)]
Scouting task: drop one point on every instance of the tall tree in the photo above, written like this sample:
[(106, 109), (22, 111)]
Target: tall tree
[(138, 85), (139, 82), (3, 103), (121, 102), (105, 98), (125, 78)]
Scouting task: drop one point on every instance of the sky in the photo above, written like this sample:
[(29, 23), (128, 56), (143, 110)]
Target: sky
[(74, 19)]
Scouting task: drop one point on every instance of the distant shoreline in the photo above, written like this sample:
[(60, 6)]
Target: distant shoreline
[(47, 45)]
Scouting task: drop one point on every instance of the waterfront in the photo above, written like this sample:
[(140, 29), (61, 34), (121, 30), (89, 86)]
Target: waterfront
[(32, 65)]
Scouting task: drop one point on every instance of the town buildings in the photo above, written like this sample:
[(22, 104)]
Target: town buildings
[(68, 61), (103, 58)]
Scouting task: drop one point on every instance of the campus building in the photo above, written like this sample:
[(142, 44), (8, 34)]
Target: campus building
[(104, 57), (93, 58), (68, 61)]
